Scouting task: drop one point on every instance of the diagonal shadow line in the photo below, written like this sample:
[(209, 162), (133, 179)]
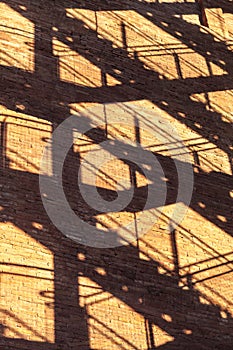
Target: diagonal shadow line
[(169, 88), (185, 8), (177, 27), (210, 83), (166, 91)]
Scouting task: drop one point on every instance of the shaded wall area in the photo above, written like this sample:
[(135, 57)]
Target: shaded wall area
[(167, 291)]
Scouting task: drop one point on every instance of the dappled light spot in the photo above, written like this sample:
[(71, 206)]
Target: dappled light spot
[(37, 225), (101, 271), (198, 125), (221, 218), (193, 43), (164, 179), (147, 166), (167, 317), (178, 33), (125, 288), (117, 71), (19, 106), (24, 8), (140, 300), (202, 205), (81, 257), (70, 39), (182, 114)]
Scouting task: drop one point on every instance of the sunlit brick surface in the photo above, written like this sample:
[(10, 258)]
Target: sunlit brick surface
[(166, 290)]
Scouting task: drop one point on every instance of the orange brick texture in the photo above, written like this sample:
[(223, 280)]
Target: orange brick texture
[(166, 290)]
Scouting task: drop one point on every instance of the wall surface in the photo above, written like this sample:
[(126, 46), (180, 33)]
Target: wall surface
[(168, 289)]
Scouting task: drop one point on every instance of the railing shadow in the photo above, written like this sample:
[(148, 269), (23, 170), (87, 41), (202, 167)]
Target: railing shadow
[(157, 297)]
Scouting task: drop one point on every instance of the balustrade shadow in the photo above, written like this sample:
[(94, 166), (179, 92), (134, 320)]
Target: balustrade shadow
[(150, 293), (138, 283)]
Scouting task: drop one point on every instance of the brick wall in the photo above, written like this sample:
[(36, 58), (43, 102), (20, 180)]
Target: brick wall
[(165, 290)]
